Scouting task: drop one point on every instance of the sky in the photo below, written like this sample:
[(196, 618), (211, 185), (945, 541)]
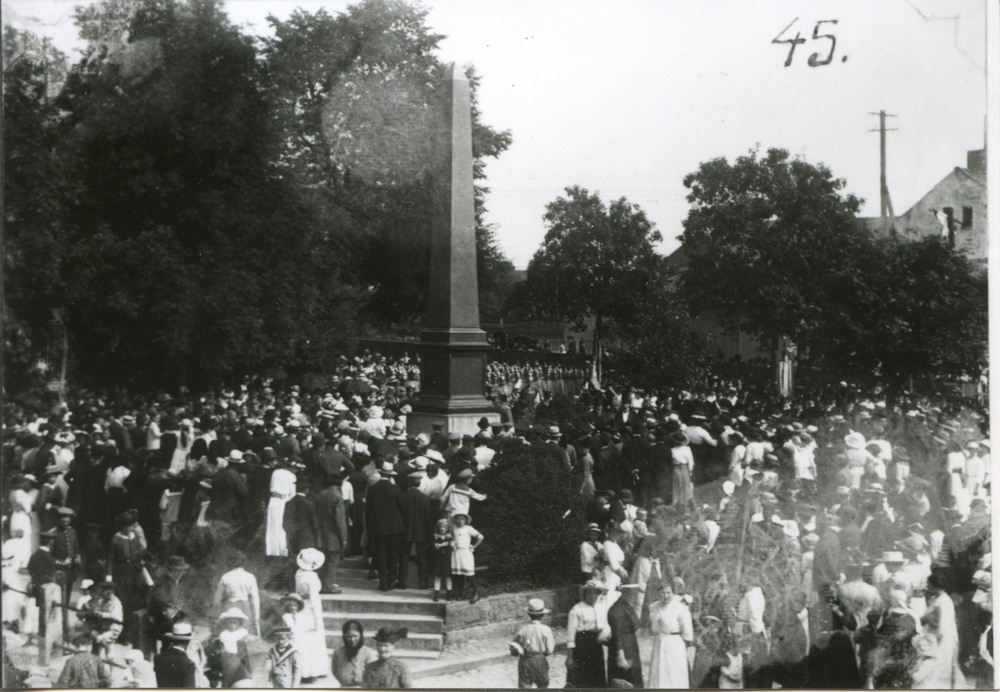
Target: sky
[(627, 97)]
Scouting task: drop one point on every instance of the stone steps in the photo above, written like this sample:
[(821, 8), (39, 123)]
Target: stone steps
[(428, 624), (415, 641), (362, 601)]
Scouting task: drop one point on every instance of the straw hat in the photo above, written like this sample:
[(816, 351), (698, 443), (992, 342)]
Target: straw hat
[(182, 631), (594, 585), (234, 614), (310, 559), (893, 557), (296, 599), (854, 440), (536, 606)]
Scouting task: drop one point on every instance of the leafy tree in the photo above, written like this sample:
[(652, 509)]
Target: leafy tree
[(769, 240), (775, 246), (596, 261), (352, 98), (182, 249), (38, 181), (918, 308), (661, 349)]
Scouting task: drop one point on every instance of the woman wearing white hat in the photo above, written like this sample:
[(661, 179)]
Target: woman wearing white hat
[(312, 640)]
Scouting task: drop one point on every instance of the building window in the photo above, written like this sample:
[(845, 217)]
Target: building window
[(966, 217)]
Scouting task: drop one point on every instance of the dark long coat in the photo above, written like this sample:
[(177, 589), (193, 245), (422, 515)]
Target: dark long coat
[(384, 509)]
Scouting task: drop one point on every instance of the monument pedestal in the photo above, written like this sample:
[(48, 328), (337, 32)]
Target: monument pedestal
[(452, 382)]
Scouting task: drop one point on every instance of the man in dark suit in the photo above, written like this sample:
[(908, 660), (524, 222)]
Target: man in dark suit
[(331, 526), (41, 564), (662, 462), (173, 667), (439, 438), (384, 522), (299, 520), (419, 530), (323, 461), (229, 494), (636, 463)]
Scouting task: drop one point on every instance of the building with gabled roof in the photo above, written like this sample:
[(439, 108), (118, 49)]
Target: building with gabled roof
[(955, 209)]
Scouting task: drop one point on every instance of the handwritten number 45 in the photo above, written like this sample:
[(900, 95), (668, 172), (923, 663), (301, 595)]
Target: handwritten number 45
[(814, 60)]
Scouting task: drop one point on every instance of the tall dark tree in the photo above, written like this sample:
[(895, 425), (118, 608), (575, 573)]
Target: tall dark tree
[(919, 308), (769, 239), (660, 348), (354, 98), (182, 249), (596, 262), (38, 182)]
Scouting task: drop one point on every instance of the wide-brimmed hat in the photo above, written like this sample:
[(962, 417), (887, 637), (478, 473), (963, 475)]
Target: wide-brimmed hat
[(594, 585), (296, 599), (234, 614), (387, 469), (310, 559), (679, 438), (854, 440), (536, 606), (626, 495), (177, 562), (465, 473), (460, 514), (182, 631), (893, 557), (65, 511), (554, 431)]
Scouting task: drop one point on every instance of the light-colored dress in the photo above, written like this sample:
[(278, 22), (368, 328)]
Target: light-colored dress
[(956, 467), (463, 561), (310, 632), (282, 490), (946, 631), (671, 625), (178, 461), (21, 504)]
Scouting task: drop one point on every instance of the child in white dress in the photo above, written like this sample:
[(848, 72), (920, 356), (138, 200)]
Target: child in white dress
[(463, 561)]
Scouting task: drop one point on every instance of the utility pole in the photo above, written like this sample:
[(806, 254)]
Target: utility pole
[(888, 217)]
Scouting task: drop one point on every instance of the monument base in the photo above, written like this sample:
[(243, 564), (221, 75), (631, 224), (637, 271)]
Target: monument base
[(457, 415)]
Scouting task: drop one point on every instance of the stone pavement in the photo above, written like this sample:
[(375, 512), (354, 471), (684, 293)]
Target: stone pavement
[(502, 674)]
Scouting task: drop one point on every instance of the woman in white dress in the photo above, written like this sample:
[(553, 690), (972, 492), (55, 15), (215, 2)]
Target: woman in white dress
[(22, 505), (939, 620), (310, 637), (670, 621), (185, 440)]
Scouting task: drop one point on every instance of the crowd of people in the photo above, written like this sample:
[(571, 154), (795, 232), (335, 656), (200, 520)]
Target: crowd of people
[(885, 508), (881, 514)]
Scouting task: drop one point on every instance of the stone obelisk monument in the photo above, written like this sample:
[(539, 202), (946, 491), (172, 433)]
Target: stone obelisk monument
[(453, 347)]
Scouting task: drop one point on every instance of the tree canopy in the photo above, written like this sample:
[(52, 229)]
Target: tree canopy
[(768, 240), (775, 246), (596, 261), (194, 203)]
